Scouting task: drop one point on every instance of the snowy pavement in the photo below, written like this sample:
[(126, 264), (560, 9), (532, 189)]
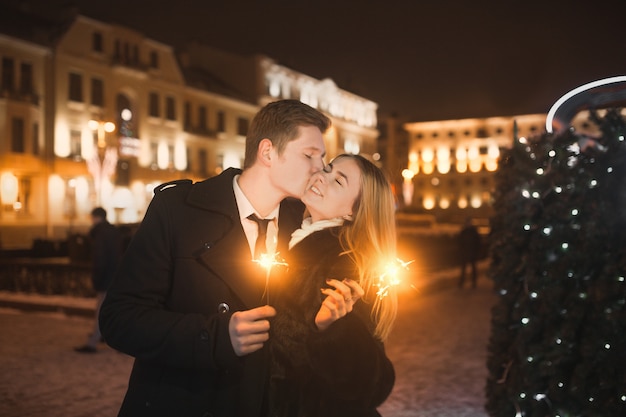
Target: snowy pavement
[(438, 347)]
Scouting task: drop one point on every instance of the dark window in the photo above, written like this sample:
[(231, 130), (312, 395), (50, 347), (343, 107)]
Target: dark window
[(483, 150), (154, 59), (8, 74), (202, 162), (75, 144), (135, 60), (154, 105), (126, 58), (242, 126), (76, 87), (202, 120), (482, 133), (122, 173), (26, 78), (97, 92), (117, 55), (96, 42), (170, 108), (17, 135), (187, 115), (154, 151), (221, 122), (170, 152), (36, 149)]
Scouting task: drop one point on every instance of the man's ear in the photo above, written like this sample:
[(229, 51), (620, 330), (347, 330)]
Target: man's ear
[(264, 152)]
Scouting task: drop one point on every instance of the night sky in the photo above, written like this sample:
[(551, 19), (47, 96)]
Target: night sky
[(420, 60)]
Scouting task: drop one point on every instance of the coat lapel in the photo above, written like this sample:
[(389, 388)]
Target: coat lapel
[(226, 252)]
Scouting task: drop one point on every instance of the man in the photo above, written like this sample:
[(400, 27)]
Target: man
[(106, 251), (188, 300), (469, 250)]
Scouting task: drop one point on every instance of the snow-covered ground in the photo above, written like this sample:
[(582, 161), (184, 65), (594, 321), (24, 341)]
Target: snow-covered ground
[(438, 348)]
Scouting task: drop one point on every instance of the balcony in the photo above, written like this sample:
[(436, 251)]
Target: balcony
[(29, 97)]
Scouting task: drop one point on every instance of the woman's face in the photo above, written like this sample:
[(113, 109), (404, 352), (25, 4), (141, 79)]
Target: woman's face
[(332, 192)]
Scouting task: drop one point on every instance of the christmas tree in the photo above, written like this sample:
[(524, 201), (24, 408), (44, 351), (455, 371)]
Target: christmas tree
[(558, 247)]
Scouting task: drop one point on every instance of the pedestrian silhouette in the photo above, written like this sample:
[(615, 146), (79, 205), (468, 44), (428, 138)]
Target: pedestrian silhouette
[(469, 251), (106, 252)]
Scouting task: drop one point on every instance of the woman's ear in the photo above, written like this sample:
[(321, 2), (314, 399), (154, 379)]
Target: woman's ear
[(347, 217)]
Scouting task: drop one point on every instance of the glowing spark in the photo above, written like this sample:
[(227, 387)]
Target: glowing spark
[(390, 276), (267, 262)]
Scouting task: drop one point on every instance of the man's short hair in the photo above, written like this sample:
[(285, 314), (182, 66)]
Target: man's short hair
[(280, 122), (99, 212)]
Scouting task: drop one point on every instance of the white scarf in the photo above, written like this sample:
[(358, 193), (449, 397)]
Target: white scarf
[(309, 227)]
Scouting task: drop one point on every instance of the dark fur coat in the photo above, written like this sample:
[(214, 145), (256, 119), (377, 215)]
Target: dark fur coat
[(342, 371)]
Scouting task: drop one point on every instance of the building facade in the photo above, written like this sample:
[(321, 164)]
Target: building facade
[(103, 114), (451, 163)]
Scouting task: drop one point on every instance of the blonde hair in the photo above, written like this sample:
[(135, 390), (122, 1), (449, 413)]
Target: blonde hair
[(370, 240)]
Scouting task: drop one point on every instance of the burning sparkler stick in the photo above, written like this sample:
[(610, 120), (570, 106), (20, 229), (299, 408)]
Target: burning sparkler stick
[(268, 261), (390, 276)]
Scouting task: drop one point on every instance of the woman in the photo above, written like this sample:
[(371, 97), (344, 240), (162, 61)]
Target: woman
[(327, 338)]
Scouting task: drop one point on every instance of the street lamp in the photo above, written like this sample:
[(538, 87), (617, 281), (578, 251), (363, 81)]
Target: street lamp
[(103, 161), (102, 128), (407, 186)]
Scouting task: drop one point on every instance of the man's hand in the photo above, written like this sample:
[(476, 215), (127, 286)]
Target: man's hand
[(249, 329)]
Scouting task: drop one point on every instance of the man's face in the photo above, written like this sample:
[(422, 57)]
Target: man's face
[(301, 158)]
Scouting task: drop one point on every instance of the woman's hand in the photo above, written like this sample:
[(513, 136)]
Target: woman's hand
[(338, 302)]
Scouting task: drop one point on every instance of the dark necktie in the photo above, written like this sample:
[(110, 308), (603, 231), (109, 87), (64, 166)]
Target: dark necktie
[(259, 247)]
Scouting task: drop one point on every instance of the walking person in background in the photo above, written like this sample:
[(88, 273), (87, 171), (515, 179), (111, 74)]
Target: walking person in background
[(328, 357), (187, 302), (469, 251), (106, 251)]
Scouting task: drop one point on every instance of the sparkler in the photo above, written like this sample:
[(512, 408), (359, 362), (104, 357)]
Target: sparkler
[(390, 277), (268, 261)]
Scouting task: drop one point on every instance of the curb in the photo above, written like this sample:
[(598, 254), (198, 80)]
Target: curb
[(39, 307)]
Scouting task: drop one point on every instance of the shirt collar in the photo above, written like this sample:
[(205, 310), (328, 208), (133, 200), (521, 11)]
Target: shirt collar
[(245, 206)]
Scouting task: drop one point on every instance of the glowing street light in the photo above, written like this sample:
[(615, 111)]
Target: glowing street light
[(103, 162), (407, 186), (102, 128)]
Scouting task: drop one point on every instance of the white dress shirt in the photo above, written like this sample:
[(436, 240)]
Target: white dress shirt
[(250, 227)]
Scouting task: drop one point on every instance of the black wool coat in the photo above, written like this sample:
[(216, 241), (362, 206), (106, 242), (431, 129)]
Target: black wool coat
[(342, 371), (184, 273)]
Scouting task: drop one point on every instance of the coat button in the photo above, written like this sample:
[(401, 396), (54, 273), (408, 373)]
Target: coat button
[(223, 308)]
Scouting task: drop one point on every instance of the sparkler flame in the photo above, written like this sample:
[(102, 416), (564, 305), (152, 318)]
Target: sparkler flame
[(390, 276), (268, 261)]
